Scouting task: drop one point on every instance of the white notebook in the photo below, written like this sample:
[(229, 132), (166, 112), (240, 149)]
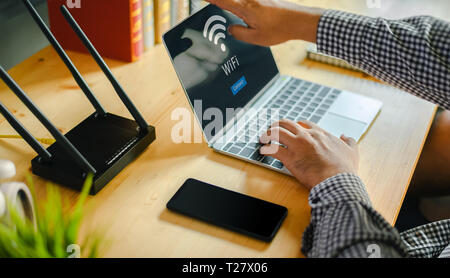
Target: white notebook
[(313, 55)]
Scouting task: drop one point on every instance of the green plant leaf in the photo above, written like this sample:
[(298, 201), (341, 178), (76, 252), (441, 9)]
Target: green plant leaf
[(54, 229)]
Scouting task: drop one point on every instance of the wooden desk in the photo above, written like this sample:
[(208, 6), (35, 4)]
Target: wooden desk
[(131, 209)]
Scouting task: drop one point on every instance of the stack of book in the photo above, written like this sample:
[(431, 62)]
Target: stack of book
[(120, 29), (166, 14)]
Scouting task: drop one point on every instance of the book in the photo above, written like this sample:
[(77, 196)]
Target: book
[(162, 18), (113, 26), (148, 21), (179, 11), (183, 10), (173, 12), (137, 35), (312, 54)]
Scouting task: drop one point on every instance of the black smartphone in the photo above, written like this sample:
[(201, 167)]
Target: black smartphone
[(231, 210)]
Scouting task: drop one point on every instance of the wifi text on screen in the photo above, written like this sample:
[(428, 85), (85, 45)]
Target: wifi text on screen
[(230, 65), (214, 67)]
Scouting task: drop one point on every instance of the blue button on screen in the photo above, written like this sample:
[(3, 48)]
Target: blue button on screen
[(236, 87)]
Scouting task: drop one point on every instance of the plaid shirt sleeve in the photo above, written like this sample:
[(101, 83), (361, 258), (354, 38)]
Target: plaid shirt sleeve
[(412, 54), (428, 241), (344, 224)]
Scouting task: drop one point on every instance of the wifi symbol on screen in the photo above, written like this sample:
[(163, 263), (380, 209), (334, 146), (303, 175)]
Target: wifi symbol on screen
[(218, 29)]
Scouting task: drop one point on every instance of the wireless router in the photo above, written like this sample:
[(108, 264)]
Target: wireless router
[(103, 144)]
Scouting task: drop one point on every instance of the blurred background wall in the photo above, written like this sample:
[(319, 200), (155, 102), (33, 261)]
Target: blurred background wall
[(19, 36)]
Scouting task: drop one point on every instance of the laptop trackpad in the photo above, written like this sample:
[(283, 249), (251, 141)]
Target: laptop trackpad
[(338, 125), (356, 107)]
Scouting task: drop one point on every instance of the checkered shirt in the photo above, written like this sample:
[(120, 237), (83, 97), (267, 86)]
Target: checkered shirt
[(414, 55)]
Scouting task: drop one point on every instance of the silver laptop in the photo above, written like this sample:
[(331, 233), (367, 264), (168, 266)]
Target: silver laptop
[(237, 92)]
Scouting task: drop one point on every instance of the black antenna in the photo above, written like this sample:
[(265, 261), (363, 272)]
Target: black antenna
[(76, 75), (116, 144), (123, 96), (26, 135), (60, 138)]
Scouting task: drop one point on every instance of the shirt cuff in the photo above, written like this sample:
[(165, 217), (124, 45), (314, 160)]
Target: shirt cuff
[(340, 34), (340, 188)]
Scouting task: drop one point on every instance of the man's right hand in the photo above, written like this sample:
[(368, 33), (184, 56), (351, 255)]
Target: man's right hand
[(310, 153), (272, 22)]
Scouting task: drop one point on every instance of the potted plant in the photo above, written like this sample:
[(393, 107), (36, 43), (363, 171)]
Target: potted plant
[(32, 231)]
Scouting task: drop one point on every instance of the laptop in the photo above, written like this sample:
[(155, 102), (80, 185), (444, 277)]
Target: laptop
[(236, 90)]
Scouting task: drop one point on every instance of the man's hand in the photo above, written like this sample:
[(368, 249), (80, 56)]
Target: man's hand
[(309, 152), (272, 22)]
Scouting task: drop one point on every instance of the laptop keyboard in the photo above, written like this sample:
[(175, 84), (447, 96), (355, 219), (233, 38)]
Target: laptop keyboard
[(298, 100)]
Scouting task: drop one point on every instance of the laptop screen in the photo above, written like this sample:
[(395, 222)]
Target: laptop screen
[(217, 71)]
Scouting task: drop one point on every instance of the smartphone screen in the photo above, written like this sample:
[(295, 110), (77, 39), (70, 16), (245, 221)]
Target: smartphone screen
[(231, 210)]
